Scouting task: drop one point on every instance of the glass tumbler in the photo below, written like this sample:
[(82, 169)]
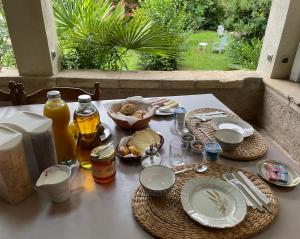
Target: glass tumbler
[(177, 152)]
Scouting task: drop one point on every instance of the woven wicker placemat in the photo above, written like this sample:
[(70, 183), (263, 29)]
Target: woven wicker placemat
[(253, 147), (165, 217)]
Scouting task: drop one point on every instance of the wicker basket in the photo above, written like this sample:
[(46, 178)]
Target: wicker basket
[(140, 124)]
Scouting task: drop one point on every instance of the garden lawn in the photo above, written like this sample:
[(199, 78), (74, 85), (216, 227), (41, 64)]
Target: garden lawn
[(194, 58)]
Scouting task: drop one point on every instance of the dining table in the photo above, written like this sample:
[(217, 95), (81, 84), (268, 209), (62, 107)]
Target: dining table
[(104, 210)]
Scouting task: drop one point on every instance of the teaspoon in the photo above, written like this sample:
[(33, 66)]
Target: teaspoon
[(198, 169)]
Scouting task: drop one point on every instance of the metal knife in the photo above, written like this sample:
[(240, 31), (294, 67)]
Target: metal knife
[(210, 113), (238, 177), (246, 192)]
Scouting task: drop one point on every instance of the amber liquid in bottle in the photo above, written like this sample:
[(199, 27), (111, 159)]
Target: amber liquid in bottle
[(87, 120), (87, 125)]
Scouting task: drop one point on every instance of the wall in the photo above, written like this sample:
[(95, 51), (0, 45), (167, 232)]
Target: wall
[(280, 117), (241, 91), (281, 39)]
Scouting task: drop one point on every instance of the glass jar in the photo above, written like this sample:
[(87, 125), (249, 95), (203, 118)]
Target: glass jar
[(87, 121), (57, 110), (103, 163)]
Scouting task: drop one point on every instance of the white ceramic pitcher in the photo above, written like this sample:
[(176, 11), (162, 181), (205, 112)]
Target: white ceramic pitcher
[(56, 181)]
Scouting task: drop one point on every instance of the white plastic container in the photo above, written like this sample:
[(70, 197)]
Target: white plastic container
[(15, 181), (37, 140)]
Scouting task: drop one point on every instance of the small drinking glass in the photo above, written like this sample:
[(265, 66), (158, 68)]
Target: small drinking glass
[(177, 152)]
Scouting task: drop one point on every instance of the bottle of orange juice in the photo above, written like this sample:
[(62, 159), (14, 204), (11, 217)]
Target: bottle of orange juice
[(57, 110), (87, 120)]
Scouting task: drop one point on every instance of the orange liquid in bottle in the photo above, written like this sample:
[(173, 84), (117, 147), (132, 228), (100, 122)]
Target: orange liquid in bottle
[(58, 111)]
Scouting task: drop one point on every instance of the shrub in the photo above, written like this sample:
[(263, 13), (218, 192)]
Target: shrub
[(96, 34), (169, 14), (7, 57), (247, 17), (244, 53), (158, 63)]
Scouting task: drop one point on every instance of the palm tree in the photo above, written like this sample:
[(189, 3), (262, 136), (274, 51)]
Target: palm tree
[(96, 34)]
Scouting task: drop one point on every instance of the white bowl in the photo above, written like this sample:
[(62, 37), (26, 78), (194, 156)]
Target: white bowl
[(228, 138), (157, 180)]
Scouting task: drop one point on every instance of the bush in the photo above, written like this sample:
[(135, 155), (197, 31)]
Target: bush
[(7, 57), (247, 17), (244, 53), (96, 34), (169, 14), (158, 63), (213, 13)]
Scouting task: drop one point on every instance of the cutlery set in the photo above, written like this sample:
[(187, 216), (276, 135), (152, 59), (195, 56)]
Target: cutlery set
[(253, 196)]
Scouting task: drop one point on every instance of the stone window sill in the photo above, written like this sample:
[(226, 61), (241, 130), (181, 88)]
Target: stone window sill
[(288, 90)]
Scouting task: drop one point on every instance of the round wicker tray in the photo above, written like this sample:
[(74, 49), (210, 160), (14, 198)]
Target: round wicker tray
[(252, 148), (165, 218)]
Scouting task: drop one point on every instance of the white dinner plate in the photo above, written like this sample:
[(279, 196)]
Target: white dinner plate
[(236, 124), (293, 176), (167, 113), (213, 202)]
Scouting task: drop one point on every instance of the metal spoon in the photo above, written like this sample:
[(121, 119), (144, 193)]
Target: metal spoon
[(201, 168), (198, 169)]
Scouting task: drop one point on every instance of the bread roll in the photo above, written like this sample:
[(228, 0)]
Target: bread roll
[(128, 109)]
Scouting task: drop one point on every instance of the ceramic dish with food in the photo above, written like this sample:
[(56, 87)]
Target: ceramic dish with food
[(197, 147), (157, 180), (187, 139), (132, 148), (236, 124), (293, 178), (228, 138), (131, 114)]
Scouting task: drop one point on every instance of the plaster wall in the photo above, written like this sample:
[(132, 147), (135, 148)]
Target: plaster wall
[(26, 19), (281, 39)]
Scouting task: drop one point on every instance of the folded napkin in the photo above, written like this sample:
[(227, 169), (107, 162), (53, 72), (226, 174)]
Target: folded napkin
[(253, 187), (248, 183)]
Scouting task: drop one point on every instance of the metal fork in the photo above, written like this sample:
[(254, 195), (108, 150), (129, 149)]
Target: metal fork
[(228, 175)]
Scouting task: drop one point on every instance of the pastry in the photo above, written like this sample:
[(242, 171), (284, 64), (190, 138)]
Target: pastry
[(134, 150), (128, 109), (123, 150)]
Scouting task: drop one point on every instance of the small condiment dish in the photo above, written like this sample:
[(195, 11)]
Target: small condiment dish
[(197, 147), (228, 138), (157, 180), (187, 139)]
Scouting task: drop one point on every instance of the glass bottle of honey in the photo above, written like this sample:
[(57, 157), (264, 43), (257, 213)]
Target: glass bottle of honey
[(87, 121), (57, 110)]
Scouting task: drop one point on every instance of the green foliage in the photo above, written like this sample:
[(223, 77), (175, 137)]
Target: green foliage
[(7, 58), (249, 20), (170, 14), (247, 17), (157, 63), (245, 53), (214, 13), (94, 34)]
